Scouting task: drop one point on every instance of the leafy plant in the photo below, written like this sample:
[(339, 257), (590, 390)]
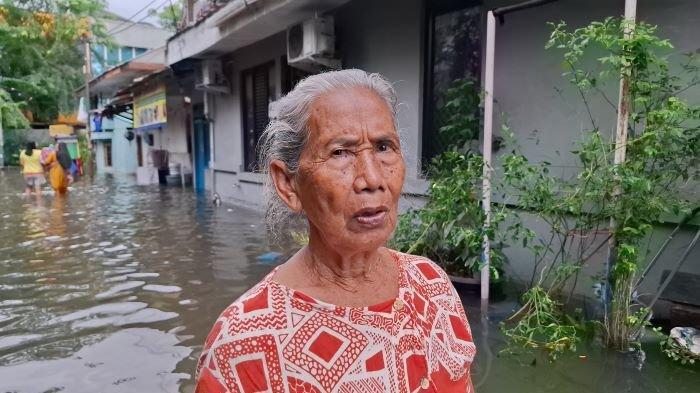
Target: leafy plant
[(450, 228), (541, 325), (676, 352), (459, 120), (606, 201)]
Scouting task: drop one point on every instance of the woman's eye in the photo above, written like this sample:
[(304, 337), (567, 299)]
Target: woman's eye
[(384, 146), (339, 152)]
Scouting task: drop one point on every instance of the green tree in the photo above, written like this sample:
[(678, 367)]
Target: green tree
[(169, 16), (41, 57)]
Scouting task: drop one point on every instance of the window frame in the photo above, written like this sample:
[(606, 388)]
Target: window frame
[(432, 9), (250, 158)]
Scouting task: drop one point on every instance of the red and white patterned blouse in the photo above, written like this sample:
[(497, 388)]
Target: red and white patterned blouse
[(275, 339)]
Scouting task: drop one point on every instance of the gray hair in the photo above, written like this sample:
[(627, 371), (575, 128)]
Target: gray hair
[(287, 133)]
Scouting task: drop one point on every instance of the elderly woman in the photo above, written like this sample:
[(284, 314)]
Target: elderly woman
[(344, 314)]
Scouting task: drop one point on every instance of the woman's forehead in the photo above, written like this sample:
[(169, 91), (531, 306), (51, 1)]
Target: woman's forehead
[(349, 110)]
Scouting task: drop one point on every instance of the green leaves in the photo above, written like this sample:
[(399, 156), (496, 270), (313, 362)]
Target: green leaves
[(41, 57), (450, 228)]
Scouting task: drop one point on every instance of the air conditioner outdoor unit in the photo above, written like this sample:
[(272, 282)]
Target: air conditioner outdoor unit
[(210, 77), (311, 45)]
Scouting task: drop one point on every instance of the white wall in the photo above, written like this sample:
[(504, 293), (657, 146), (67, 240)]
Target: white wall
[(173, 137)]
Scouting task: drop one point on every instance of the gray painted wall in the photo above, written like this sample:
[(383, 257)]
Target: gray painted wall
[(386, 37)]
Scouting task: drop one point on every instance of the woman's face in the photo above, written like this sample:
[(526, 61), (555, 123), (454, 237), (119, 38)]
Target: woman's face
[(351, 171)]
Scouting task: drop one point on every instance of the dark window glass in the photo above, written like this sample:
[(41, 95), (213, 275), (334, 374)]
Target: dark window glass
[(127, 53), (112, 56), (108, 153), (453, 54), (139, 150), (258, 92), (97, 59), (140, 51), (290, 76)]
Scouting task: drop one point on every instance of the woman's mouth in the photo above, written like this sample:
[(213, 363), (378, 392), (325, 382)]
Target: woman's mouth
[(371, 217)]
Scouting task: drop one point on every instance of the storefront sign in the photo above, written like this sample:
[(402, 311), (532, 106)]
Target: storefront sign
[(150, 110)]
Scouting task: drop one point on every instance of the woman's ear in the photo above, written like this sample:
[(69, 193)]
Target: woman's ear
[(284, 185)]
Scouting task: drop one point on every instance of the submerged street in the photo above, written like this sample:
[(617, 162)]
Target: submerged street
[(115, 287)]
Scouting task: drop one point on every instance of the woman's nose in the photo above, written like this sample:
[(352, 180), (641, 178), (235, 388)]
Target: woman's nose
[(368, 172)]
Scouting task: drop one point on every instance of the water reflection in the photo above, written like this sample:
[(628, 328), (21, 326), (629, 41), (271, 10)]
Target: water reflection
[(114, 288), (130, 360)]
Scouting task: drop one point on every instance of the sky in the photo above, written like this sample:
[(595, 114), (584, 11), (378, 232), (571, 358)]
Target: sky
[(127, 8)]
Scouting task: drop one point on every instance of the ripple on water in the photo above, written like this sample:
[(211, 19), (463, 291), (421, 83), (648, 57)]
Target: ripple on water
[(117, 248), (120, 308), (143, 275), (162, 288), (130, 360), (145, 316), (119, 289), (8, 342)]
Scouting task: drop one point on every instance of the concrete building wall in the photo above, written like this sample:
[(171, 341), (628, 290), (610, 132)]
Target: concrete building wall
[(100, 155), (533, 97), (232, 183), (386, 37), (173, 137), (365, 41), (123, 150)]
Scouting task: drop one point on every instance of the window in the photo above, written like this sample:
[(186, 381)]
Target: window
[(140, 51), (453, 53), (290, 75), (112, 56), (107, 145), (258, 91), (97, 54), (127, 53)]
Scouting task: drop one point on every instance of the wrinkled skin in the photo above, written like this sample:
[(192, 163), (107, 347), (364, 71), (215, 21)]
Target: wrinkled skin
[(352, 161)]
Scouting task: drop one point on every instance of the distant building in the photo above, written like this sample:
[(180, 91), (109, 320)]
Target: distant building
[(137, 50), (131, 40)]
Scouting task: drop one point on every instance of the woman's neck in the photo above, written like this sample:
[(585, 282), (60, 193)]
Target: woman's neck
[(341, 268)]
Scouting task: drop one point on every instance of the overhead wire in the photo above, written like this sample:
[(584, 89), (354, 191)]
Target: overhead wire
[(129, 19), (133, 23)]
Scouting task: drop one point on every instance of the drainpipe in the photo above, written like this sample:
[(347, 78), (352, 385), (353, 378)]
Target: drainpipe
[(209, 116), (488, 138)]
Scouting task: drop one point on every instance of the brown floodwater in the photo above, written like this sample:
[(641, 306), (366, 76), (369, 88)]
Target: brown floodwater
[(114, 288)]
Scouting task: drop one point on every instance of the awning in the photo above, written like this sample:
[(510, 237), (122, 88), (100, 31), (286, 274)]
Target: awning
[(149, 128)]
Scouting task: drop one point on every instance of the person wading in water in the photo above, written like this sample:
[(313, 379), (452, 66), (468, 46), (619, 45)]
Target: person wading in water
[(32, 170), (59, 163)]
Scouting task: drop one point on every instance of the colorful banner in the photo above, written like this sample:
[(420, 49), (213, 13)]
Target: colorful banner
[(150, 110)]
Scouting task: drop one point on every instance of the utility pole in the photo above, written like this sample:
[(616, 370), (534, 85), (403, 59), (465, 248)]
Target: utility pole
[(88, 128), (623, 112), (2, 143)]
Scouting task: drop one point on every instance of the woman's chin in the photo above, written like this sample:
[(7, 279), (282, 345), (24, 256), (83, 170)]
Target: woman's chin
[(367, 240)]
